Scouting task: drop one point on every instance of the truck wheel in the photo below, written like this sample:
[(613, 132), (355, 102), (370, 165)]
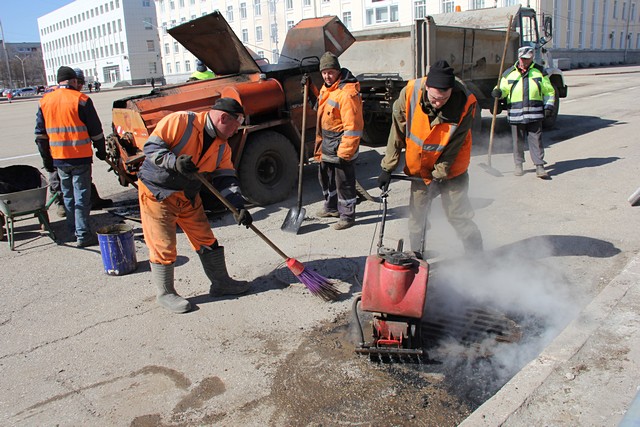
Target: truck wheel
[(268, 168), (550, 122)]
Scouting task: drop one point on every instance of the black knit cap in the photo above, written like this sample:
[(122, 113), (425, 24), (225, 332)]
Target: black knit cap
[(66, 73), (228, 105), (441, 76)]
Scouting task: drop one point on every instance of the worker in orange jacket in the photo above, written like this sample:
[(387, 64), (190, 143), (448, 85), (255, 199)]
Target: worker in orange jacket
[(432, 120), (339, 130), (182, 144), (67, 125)]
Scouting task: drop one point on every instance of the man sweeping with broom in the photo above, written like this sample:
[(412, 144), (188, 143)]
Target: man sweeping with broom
[(182, 145), (432, 120)]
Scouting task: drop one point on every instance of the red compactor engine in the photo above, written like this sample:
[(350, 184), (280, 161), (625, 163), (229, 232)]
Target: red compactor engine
[(394, 289)]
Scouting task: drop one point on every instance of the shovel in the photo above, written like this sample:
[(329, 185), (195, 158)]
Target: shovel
[(487, 166), (295, 216)]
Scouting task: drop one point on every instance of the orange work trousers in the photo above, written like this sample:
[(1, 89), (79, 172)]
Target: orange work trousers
[(159, 220)]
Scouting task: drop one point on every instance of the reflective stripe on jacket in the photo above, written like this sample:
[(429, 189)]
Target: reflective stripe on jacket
[(68, 135), (340, 122), (182, 133), (424, 143), (528, 94)]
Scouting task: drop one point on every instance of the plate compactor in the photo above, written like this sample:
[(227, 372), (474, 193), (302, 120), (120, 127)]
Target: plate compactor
[(394, 290)]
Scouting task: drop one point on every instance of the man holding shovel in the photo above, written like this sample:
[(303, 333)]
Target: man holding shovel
[(432, 120), (530, 98), (183, 144), (339, 129)]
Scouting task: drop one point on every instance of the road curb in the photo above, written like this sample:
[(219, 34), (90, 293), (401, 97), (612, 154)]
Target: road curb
[(518, 391)]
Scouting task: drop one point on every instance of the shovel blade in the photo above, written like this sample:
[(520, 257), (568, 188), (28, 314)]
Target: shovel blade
[(490, 170), (293, 220)]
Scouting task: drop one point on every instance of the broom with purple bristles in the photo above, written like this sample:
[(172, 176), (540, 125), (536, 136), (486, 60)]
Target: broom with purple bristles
[(315, 283)]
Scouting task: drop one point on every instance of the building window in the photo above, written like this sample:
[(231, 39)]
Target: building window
[(164, 28), (146, 3), (274, 56), (274, 33), (346, 19), (166, 49), (176, 47), (243, 11), (477, 4), (187, 66), (624, 10), (289, 4), (420, 9), (172, 6), (147, 24), (447, 6), (150, 46), (177, 67), (153, 68), (260, 53), (615, 9), (306, 3), (382, 15), (272, 7), (181, 5), (245, 35), (230, 13), (291, 24), (258, 33), (168, 67), (256, 8)]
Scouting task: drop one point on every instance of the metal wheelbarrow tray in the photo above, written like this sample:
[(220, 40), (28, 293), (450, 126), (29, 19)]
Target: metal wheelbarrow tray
[(22, 205)]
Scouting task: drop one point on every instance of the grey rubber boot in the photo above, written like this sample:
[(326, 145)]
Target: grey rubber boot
[(216, 270), (162, 277), (473, 244)]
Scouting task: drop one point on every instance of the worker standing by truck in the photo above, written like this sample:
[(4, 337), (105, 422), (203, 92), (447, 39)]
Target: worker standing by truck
[(338, 133), (432, 121), (201, 72), (530, 98), (182, 144), (66, 126)]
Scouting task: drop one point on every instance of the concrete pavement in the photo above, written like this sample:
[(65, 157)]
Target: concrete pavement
[(589, 374)]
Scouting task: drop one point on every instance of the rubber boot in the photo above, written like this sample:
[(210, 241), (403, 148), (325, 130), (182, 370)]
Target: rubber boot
[(162, 277), (96, 202), (216, 270), (473, 243)]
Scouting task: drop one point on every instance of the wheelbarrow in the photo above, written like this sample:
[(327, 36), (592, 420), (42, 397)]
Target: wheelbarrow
[(26, 204)]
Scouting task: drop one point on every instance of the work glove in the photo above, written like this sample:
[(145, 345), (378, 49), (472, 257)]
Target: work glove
[(243, 217), (384, 179), (101, 153), (304, 80), (548, 112), (496, 93), (185, 165), (440, 172), (47, 162)]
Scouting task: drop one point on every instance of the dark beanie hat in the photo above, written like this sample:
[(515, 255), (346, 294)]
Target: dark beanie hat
[(329, 60), (228, 105), (200, 66), (66, 73), (440, 75)]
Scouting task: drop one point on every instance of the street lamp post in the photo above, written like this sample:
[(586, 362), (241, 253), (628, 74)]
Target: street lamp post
[(6, 55), (24, 78)]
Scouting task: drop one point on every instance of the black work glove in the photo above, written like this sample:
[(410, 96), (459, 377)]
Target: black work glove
[(47, 162), (101, 153), (244, 218), (548, 112), (384, 179), (185, 165), (496, 93)]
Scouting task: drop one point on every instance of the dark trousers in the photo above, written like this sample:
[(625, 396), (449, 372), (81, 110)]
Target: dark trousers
[(532, 133), (338, 182)]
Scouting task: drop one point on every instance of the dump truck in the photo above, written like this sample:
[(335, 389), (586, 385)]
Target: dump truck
[(266, 148), (472, 42)]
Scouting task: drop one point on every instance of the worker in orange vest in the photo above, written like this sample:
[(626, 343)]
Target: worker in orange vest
[(432, 120), (67, 125), (182, 144)]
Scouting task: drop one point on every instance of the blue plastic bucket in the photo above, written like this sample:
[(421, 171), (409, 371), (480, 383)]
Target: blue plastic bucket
[(117, 249)]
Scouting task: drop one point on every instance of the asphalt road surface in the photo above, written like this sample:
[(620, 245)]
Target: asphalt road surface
[(80, 347)]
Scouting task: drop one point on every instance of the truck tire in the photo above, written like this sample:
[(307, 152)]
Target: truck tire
[(550, 122), (268, 168)]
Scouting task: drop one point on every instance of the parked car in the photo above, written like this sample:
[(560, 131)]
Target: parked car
[(25, 91), (6, 92)]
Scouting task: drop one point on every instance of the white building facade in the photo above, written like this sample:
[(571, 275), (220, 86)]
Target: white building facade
[(110, 40)]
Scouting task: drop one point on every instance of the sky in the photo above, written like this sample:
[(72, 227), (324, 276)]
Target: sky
[(20, 18)]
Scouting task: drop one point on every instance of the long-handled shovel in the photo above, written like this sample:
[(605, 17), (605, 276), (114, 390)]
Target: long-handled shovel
[(315, 283), (295, 216), (487, 166)]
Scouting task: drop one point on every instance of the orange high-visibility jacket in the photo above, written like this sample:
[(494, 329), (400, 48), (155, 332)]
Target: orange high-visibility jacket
[(425, 144), (68, 135), (181, 133), (340, 122)]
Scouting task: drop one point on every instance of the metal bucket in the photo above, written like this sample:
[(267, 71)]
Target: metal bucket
[(117, 249)]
